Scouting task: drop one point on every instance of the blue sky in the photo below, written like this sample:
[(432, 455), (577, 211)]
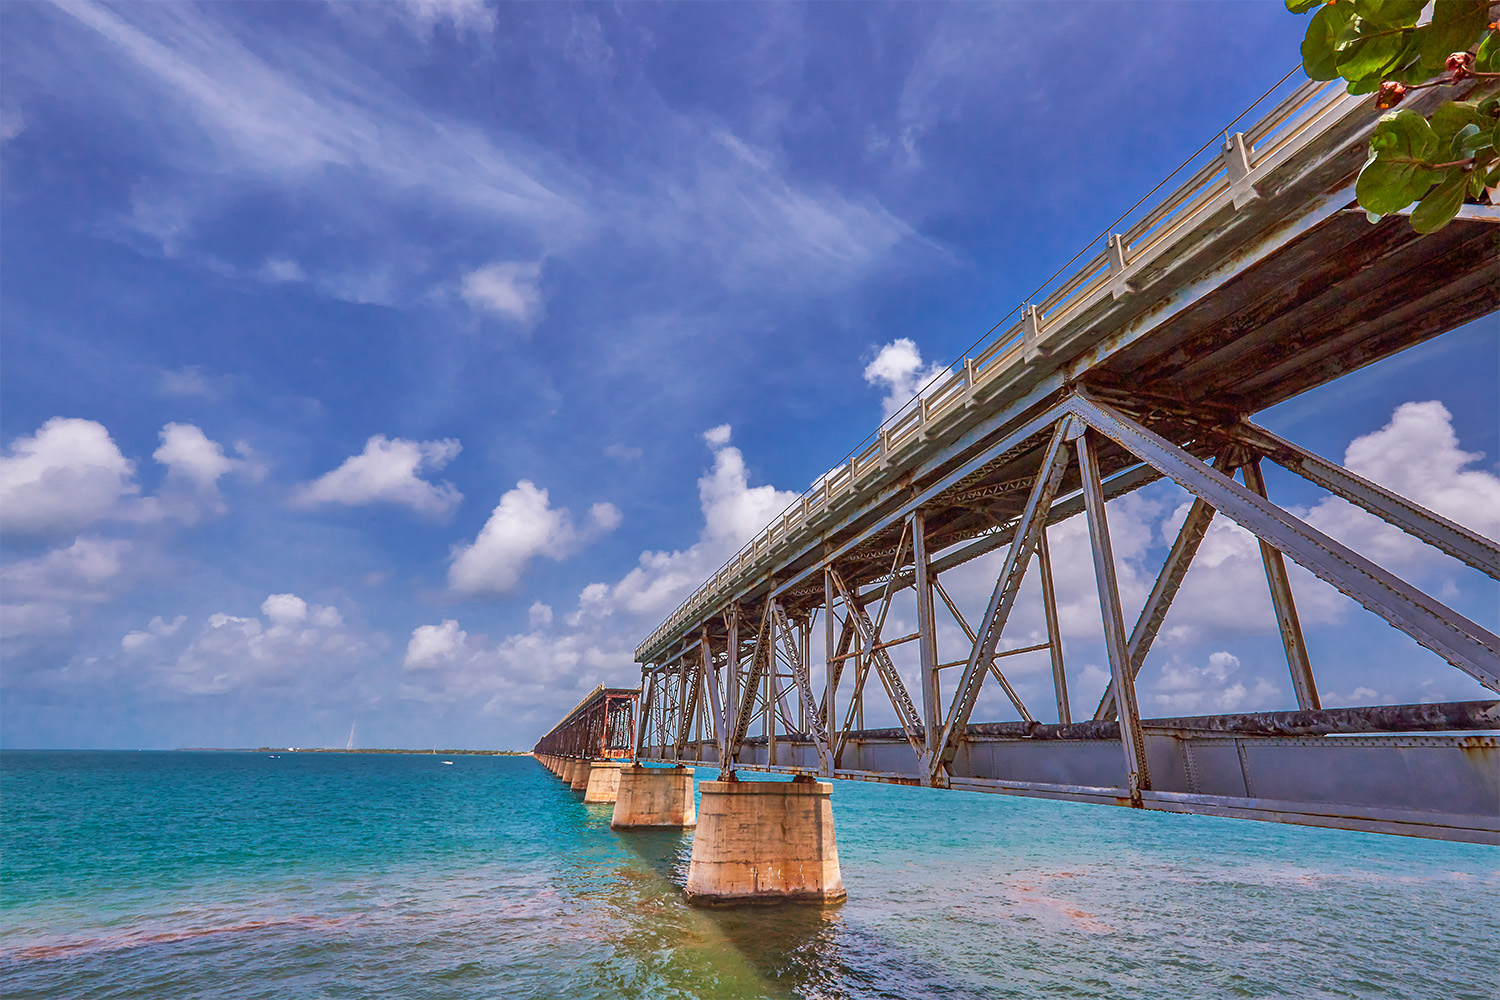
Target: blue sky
[(404, 364)]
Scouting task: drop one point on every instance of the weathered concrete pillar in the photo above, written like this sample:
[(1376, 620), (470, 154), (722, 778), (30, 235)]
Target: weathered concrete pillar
[(765, 842), (581, 776), (654, 797), (604, 781), (569, 769)]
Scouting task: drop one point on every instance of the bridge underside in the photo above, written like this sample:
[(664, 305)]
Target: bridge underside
[(1152, 373)]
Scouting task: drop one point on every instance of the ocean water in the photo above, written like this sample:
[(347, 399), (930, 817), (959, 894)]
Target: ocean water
[(239, 875)]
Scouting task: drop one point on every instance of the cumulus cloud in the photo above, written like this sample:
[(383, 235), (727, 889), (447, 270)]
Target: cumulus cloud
[(1220, 685), (388, 471), (507, 288), (188, 453), (523, 526), (295, 643), (284, 609), (44, 593), (1415, 455), (66, 476), (733, 512), (432, 645), (526, 678), (898, 369), (157, 628)]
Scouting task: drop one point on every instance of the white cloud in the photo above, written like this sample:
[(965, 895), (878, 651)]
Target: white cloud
[(1218, 686), (325, 617), (506, 288), (733, 512), (605, 516), (387, 472), (1415, 455), (44, 593), (67, 476), (188, 453), (157, 628), (284, 609), (523, 526), (289, 648), (539, 615), (898, 369), (433, 645)]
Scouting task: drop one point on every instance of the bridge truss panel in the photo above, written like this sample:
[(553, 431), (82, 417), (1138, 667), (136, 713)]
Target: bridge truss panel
[(602, 727)]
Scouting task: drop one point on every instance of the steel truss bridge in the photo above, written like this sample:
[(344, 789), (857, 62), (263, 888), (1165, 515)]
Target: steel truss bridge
[(1257, 279), (599, 728)]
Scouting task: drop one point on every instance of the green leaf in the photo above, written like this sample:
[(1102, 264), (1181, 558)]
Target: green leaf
[(1319, 46), (1455, 26), (1301, 6), (1366, 58), (1451, 117), (1389, 13), (1487, 60), (1469, 139), (1404, 133), (1387, 186), (1495, 138), (1441, 204)]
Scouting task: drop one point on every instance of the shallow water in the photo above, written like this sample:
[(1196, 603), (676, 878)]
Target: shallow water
[(237, 875)]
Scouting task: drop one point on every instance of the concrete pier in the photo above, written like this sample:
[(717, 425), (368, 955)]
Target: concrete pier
[(653, 797), (765, 842), (604, 782), (569, 769), (580, 777)]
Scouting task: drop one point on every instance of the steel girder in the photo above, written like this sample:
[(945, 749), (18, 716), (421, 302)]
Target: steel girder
[(1083, 452)]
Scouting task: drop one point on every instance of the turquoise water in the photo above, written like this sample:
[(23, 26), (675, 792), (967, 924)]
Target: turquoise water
[(237, 875)]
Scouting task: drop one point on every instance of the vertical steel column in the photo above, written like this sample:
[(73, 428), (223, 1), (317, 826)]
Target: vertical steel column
[(1286, 607), (932, 706), (831, 667), (1054, 633), (648, 685), (772, 686), (1137, 776), (731, 694)]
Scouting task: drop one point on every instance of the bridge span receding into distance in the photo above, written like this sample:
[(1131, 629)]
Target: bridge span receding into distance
[(1257, 279)]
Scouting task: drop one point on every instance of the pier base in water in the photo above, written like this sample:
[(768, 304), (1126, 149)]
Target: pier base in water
[(765, 842), (604, 782), (650, 797), (580, 775)]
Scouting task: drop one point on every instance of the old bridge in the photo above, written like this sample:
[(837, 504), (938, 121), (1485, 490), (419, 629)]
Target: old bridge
[(1256, 279)]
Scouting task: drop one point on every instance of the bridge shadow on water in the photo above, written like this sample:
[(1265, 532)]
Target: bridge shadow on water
[(777, 950)]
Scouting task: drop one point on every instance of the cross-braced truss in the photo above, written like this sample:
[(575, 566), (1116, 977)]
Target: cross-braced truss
[(741, 690)]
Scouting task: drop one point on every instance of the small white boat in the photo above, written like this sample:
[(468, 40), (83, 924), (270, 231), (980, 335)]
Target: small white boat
[(447, 762)]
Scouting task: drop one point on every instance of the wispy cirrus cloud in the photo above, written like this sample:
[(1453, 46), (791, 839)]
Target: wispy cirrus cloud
[(355, 155)]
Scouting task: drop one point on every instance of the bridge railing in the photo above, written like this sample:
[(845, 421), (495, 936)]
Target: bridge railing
[(1221, 175)]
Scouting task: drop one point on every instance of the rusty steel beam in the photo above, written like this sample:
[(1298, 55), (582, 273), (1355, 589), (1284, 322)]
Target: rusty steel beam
[(601, 727)]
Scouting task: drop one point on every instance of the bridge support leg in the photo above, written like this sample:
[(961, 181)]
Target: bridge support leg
[(650, 797), (765, 842), (580, 776), (604, 782)]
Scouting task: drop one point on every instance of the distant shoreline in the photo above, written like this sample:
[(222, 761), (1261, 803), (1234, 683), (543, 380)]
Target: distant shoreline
[(480, 753)]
